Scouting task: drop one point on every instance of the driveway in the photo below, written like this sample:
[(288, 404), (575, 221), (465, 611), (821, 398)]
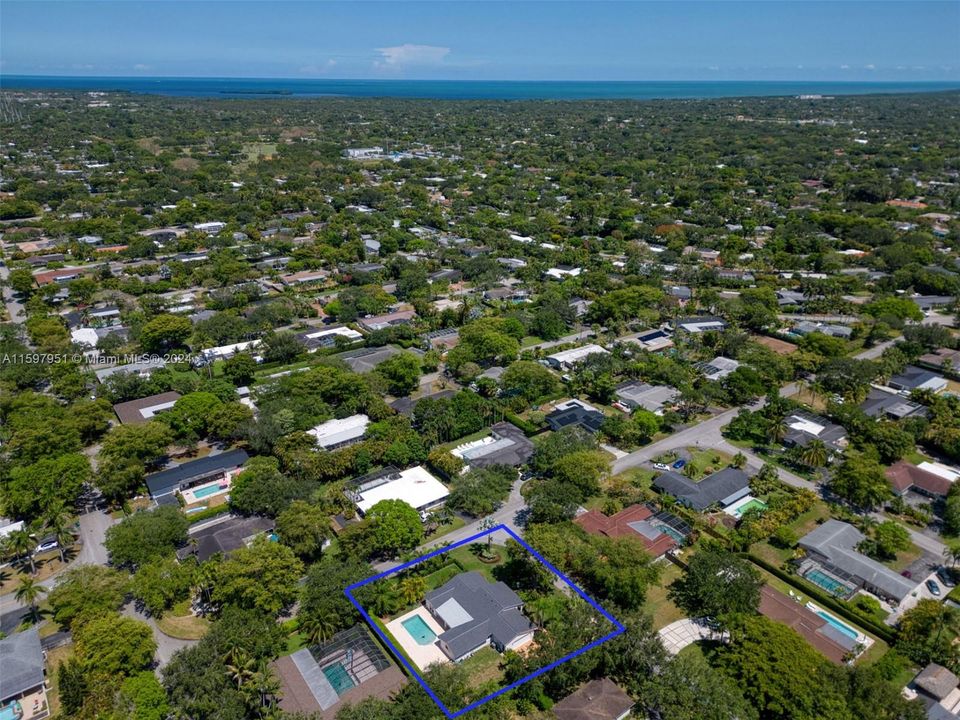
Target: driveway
[(677, 635), (93, 530), (166, 645)]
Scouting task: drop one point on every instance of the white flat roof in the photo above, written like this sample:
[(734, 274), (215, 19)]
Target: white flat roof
[(808, 426), (148, 412), (228, 350), (940, 469), (339, 430), (344, 331), (577, 353), (415, 486)]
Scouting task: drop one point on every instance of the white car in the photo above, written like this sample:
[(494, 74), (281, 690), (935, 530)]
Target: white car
[(660, 466), (47, 544)]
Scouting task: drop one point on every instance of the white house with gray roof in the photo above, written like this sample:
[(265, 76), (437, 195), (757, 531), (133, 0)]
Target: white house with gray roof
[(475, 613), (833, 545)]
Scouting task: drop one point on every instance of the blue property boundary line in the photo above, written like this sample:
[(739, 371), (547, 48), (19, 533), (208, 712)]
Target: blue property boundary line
[(348, 591)]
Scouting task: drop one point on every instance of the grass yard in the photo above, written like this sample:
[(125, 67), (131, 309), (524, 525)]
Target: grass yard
[(530, 341), (905, 558), (809, 398), (54, 658), (483, 667), (707, 462), (658, 604), (183, 627), (455, 524), (916, 457), (180, 623), (469, 561), (48, 564), (441, 576)]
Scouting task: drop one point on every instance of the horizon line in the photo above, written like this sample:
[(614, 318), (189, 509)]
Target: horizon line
[(142, 76)]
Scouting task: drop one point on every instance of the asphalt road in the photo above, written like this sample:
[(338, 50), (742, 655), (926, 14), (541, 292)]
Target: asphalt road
[(14, 307)]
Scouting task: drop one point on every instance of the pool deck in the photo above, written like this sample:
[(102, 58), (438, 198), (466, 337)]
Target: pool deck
[(190, 495), (422, 655)]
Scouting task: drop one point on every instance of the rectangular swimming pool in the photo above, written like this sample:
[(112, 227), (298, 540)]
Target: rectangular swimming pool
[(418, 629), (828, 583), (845, 629), (339, 677), (205, 491), (9, 712), (754, 504)]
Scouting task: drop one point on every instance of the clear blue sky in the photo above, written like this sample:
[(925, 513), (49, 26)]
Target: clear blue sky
[(722, 40)]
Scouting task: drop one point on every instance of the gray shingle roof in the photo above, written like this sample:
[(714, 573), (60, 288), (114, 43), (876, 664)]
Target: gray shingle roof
[(836, 541), (21, 663), (493, 609), (703, 494)]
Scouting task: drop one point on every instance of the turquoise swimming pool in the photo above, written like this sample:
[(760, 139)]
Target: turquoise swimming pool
[(418, 629), (205, 491), (9, 712), (828, 583), (339, 677), (845, 629)]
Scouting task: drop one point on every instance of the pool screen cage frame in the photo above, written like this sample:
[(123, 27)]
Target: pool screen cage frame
[(354, 642)]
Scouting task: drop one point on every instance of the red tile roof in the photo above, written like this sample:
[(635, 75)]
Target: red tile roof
[(903, 476), (596, 523)]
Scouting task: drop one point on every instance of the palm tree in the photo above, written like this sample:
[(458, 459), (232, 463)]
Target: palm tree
[(319, 630), (262, 687), (814, 454), (777, 428), (739, 460), (952, 554), (412, 589), (20, 543), (29, 591), (240, 666), (57, 523)]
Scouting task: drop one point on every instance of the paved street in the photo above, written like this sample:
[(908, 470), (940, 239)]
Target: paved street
[(14, 307)]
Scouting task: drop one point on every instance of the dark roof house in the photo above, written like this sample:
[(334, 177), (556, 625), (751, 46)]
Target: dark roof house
[(722, 488), (21, 664), (599, 699), (476, 613), (143, 410), (575, 413), (164, 484), (224, 537)]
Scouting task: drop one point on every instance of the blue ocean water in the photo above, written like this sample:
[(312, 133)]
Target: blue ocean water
[(462, 90)]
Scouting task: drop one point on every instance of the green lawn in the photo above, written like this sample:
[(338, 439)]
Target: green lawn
[(658, 604), (483, 666), (905, 558), (707, 462), (455, 524), (444, 574), (469, 561)]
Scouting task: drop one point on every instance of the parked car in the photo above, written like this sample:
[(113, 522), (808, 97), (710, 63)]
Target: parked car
[(678, 465), (47, 544), (660, 466), (945, 576), (933, 587), (907, 574)]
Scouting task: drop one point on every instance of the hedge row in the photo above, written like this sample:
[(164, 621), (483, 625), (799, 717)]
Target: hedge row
[(208, 513)]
